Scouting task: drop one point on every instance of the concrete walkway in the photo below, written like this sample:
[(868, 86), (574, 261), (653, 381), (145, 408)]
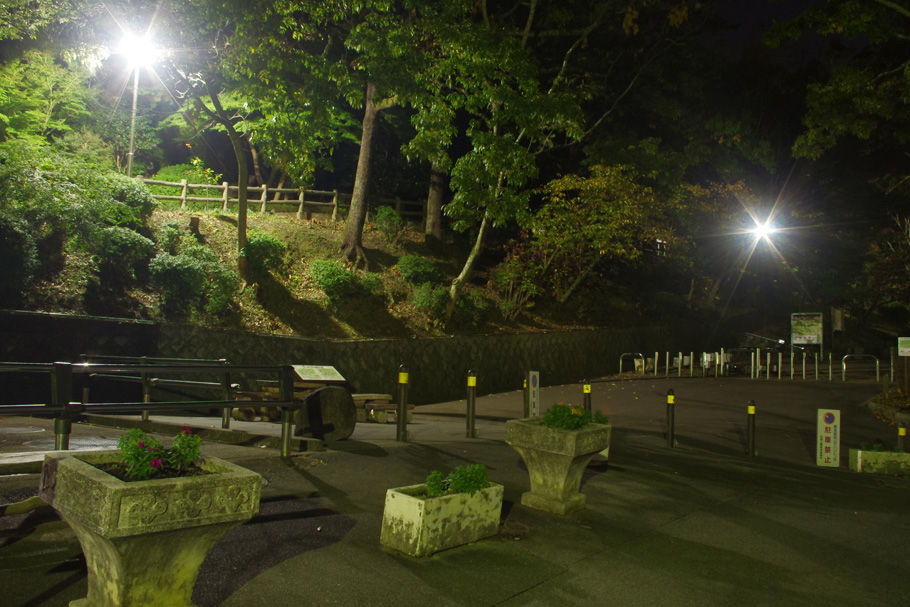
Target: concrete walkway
[(700, 524)]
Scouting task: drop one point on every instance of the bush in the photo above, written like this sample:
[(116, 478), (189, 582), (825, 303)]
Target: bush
[(182, 278), (463, 479), (431, 298), (169, 236), (471, 308), (263, 252), (568, 417), (221, 282), (120, 251), (418, 270), (335, 281), (389, 222), (133, 193), (18, 258)]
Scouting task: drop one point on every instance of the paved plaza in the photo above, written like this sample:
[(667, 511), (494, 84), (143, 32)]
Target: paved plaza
[(699, 524)]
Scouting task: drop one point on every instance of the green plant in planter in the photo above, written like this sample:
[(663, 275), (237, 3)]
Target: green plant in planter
[(463, 479), (143, 456), (569, 417)]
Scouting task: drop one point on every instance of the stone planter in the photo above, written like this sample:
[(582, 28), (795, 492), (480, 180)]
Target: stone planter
[(145, 540), (556, 459), (882, 462), (419, 525)]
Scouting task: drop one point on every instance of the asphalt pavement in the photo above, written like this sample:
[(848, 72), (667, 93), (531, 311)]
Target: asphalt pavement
[(697, 524)]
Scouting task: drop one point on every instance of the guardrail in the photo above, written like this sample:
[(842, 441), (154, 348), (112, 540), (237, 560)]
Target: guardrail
[(64, 410)]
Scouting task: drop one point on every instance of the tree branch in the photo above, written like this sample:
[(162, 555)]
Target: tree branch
[(894, 6)]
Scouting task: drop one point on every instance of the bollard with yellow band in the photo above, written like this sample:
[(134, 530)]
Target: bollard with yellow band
[(401, 431), (586, 391), (470, 430), (901, 437), (671, 418), (750, 428)]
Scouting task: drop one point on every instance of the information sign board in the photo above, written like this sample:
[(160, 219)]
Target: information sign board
[(534, 393), (806, 328), (903, 346), (827, 452), (318, 373)]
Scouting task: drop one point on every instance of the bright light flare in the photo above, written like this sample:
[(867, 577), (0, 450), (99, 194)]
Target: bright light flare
[(763, 231), (138, 50)]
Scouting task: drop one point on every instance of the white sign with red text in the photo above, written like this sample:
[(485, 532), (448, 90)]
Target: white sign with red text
[(827, 452)]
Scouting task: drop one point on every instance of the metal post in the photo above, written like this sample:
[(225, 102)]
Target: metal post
[(146, 392), (877, 375), (680, 367), (723, 361), (901, 433), (768, 365), (401, 432), (751, 365), (667, 366), (704, 367), (830, 365), (757, 363), (750, 428), (780, 364), (671, 418), (526, 398), (816, 365), (586, 399), (286, 393), (691, 364), (656, 359), (804, 365), (228, 395), (470, 431), (61, 389), (791, 364)]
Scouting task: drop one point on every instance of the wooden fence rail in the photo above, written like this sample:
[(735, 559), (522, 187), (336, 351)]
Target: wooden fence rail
[(306, 201)]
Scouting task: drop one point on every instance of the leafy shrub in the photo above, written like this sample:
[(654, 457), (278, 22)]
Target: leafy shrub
[(182, 278), (263, 252), (143, 456), (516, 284), (431, 298), (131, 192), (221, 282), (568, 417), (119, 251), (372, 282), (335, 281), (169, 236), (390, 223), (471, 308), (18, 259), (418, 270), (469, 478)]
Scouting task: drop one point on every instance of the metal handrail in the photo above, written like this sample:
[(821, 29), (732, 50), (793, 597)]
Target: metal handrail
[(844, 364), (65, 411)]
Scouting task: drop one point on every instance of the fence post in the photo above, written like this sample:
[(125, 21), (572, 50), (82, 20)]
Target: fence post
[(750, 428), (667, 362), (401, 431), (300, 205), (656, 359), (61, 389), (586, 398), (224, 196), (183, 189), (334, 205), (671, 418), (286, 393), (264, 197), (780, 364), (228, 395), (470, 430), (146, 392), (691, 364), (680, 367)]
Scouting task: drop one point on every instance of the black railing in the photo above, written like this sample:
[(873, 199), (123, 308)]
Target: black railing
[(64, 410)]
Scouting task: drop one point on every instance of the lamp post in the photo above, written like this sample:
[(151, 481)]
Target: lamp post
[(139, 51)]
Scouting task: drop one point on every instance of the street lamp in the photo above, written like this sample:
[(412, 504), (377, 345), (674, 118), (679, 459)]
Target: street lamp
[(139, 52)]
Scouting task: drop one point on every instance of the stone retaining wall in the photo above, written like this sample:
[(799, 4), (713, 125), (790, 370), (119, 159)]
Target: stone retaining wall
[(437, 366)]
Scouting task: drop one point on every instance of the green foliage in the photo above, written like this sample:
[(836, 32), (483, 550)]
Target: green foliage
[(516, 280), (168, 237), (470, 309), (418, 270), (390, 223), (335, 281), (18, 258), (568, 417), (143, 456), (263, 252), (431, 298), (182, 279), (469, 478), (120, 251)]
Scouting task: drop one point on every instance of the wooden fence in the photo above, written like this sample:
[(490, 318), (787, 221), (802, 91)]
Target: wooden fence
[(306, 202)]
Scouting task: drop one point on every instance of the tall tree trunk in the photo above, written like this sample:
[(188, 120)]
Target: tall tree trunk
[(438, 179), (257, 169), (468, 268), (352, 236)]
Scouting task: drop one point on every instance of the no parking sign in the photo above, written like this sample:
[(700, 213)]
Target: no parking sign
[(827, 452)]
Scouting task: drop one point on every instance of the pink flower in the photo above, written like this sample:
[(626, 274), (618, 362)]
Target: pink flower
[(155, 463), (186, 430), (140, 444)]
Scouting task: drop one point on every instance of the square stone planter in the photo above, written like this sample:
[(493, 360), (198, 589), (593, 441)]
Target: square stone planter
[(556, 460), (881, 462), (419, 525), (145, 540)]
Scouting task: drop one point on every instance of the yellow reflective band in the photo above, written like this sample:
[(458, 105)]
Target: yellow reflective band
[(671, 399), (751, 410), (902, 432), (402, 378), (586, 388), (472, 381)]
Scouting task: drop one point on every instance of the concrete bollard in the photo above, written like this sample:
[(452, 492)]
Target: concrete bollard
[(586, 398)]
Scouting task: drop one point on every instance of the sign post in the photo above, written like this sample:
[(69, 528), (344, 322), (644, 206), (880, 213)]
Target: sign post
[(903, 350), (534, 393), (827, 451)]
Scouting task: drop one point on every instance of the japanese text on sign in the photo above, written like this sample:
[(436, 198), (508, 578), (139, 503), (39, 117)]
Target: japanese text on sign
[(827, 452)]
